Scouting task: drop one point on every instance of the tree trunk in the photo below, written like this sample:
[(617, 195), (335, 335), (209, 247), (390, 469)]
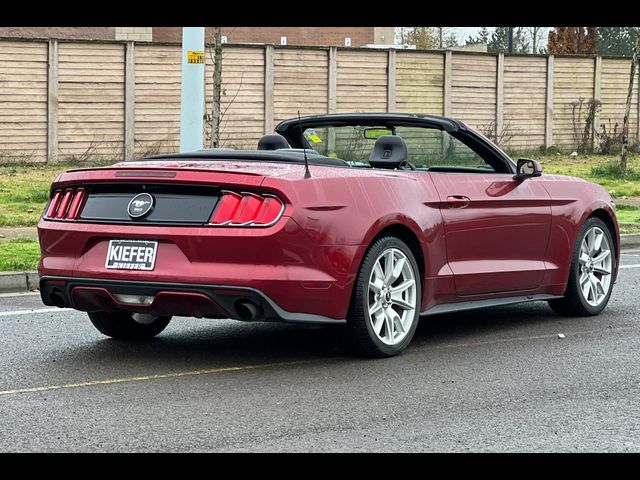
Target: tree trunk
[(627, 109), (217, 84)]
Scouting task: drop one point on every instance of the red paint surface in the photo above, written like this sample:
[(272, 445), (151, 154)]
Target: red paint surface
[(510, 237)]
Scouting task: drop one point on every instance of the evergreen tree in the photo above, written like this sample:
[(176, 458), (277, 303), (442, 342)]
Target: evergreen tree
[(616, 41), (499, 41)]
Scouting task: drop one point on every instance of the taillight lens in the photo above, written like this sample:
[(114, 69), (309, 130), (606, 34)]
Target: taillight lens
[(247, 210), (66, 204)]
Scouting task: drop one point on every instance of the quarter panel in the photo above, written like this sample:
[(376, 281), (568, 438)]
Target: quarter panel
[(351, 209), (573, 201)]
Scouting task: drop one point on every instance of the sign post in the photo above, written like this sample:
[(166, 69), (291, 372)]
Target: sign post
[(192, 90)]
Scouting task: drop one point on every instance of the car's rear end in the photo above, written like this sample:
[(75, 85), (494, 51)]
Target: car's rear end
[(187, 238)]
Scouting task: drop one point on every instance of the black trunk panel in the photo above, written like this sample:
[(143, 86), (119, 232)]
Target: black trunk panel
[(173, 204)]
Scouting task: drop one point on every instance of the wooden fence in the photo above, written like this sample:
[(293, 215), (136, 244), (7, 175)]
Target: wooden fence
[(86, 100)]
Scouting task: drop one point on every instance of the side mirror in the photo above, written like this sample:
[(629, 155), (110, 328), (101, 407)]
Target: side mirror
[(527, 168)]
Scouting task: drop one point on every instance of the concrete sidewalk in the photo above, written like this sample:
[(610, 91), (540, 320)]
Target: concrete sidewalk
[(9, 233)]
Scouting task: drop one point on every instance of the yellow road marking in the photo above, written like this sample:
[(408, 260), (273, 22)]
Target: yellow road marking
[(144, 378)]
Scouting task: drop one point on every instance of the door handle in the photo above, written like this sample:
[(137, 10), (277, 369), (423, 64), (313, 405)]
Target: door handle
[(458, 201)]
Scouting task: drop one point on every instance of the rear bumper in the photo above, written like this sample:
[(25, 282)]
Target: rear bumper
[(180, 299), (280, 262)]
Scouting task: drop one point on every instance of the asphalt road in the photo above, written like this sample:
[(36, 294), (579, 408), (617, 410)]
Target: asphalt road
[(494, 380)]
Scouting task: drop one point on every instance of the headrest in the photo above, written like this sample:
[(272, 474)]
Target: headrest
[(272, 142), (389, 151)]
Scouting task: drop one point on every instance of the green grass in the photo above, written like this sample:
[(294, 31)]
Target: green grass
[(628, 218), (601, 169), (24, 189), (19, 255)]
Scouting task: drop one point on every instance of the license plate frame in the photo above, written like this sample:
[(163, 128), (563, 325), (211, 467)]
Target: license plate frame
[(122, 256)]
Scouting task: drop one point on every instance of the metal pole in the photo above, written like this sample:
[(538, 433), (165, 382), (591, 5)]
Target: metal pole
[(510, 39), (192, 90)]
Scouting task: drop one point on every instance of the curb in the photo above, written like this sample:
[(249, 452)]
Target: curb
[(630, 240), (18, 281), (15, 282)]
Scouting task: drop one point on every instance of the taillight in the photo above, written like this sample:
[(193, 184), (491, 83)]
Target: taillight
[(55, 203), (247, 210), (66, 204), (76, 203)]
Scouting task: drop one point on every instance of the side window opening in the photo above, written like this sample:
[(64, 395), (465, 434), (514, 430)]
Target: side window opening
[(428, 149)]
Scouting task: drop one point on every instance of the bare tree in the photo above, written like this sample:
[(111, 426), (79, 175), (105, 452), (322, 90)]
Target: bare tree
[(536, 34), (627, 109), (217, 87), (422, 37)]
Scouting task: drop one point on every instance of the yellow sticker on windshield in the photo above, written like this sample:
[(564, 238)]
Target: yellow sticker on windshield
[(315, 138)]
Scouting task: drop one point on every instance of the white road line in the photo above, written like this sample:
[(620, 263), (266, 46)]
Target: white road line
[(32, 311), (635, 265)]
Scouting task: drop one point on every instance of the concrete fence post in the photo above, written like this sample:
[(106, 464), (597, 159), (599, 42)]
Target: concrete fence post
[(129, 101), (597, 92), (332, 80), (548, 130), (638, 117), (391, 81), (52, 102), (332, 86), (499, 97), (268, 89), (446, 84)]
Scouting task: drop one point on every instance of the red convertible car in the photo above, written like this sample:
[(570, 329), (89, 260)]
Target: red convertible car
[(370, 220)]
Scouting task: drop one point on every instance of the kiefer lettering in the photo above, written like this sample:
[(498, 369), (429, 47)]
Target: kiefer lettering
[(132, 256)]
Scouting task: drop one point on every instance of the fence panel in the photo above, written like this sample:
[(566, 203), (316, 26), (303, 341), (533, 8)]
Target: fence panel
[(242, 98), (614, 89), (525, 87), (420, 82), (361, 84), (473, 85), (23, 101), (157, 105), (300, 83), (91, 101), (573, 79)]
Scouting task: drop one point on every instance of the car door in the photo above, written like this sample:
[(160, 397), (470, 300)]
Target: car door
[(496, 228)]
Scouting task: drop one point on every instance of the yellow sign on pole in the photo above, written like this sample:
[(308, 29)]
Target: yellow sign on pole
[(195, 57)]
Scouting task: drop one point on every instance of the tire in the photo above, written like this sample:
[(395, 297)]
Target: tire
[(123, 326), (575, 302), (384, 334)]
